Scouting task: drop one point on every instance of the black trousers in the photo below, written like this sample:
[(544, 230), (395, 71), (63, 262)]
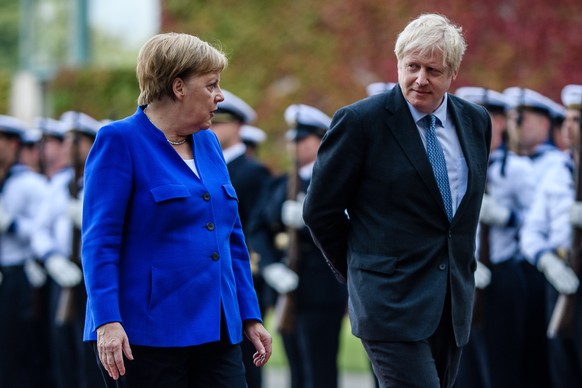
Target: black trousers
[(430, 363), (535, 361), (16, 361), (214, 365)]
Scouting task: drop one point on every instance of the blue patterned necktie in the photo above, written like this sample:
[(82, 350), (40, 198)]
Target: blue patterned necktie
[(436, 158)]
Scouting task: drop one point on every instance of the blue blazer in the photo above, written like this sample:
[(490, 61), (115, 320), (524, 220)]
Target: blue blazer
[(398, 250), (163, 249)]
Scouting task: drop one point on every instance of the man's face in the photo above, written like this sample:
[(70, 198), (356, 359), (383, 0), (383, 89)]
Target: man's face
[(8, 150), (424, 80), (571, 127), (228, 133), (533, 129)]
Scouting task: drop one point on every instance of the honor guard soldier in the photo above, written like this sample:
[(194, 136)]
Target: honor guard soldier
[(30, 149), (54, 151), (20, 191), (533, 120), (248, 176), (311, 303), (547, 240), (494, 354), (57, 242), (252, 137), (379, 87)]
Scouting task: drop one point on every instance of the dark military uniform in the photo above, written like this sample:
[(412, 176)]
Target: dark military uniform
[(248, 176), (312, 348)]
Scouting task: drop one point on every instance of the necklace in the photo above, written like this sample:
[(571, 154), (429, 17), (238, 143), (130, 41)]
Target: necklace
[(174, 143)]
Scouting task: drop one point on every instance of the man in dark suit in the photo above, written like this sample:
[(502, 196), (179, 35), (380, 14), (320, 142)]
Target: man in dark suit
[(248, 176), (394, 203)]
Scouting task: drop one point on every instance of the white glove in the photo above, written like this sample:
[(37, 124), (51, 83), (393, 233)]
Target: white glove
[(492, 213), (75, 211), (35, 273), (63, 271), (576, 214), (280, 278), (292, 214), (5, 220), (482, 276), (560, 276)]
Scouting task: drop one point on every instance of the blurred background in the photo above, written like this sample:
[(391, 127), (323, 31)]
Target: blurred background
[(59, 55)]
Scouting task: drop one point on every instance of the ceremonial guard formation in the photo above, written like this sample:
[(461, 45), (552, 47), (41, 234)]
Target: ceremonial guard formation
[(499, 312), (58, 243), (248, 176), (21, 191), (311, 303)]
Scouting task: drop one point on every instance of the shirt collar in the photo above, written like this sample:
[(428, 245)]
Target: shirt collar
[(440, 112), (233, 152)]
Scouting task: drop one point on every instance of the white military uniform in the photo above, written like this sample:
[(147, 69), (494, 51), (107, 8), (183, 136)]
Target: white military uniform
[(512, 184), (547, 226), (20, 193), (21, 197)]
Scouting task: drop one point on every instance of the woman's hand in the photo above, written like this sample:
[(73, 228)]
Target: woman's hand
[(261, 340), (112, 344)]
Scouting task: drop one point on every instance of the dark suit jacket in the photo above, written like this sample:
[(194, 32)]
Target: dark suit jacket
[(248, 177), (398, 250)]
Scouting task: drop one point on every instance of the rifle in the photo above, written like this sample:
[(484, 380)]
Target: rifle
[(285, 308), (562, 323), (66, 305)]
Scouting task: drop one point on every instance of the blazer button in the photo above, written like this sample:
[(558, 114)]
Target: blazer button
[(215, 256), (210, 226), (442, 267), (206, 196)]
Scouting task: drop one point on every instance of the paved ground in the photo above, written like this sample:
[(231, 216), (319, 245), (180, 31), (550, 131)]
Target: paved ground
[(279, 378)]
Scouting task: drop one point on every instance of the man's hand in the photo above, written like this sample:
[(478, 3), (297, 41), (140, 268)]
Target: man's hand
[(261, 340), (576, 214), (560, 276), (5, 220), (75, 212), (112, 344), (280, 278), (292, 214), (34, 273), (482, 276), (63, 271), (492, 213)]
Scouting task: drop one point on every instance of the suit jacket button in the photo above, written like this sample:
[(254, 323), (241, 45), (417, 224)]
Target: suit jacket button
[(215, 256), (442, 267), (206, 196), (210, 226)]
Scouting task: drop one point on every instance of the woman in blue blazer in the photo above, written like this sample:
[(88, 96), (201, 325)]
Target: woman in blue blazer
[(166, 267)]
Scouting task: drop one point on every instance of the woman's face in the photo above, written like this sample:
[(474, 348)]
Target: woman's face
[(201, 94)]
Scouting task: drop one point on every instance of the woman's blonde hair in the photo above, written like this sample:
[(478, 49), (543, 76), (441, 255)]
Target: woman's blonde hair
[(165, 57), (430, 33)]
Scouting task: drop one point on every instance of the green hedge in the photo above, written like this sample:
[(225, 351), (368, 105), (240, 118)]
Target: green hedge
[(101, 93)]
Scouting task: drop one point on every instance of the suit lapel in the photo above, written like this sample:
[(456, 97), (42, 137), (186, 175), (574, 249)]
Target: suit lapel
[(406, 134)]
